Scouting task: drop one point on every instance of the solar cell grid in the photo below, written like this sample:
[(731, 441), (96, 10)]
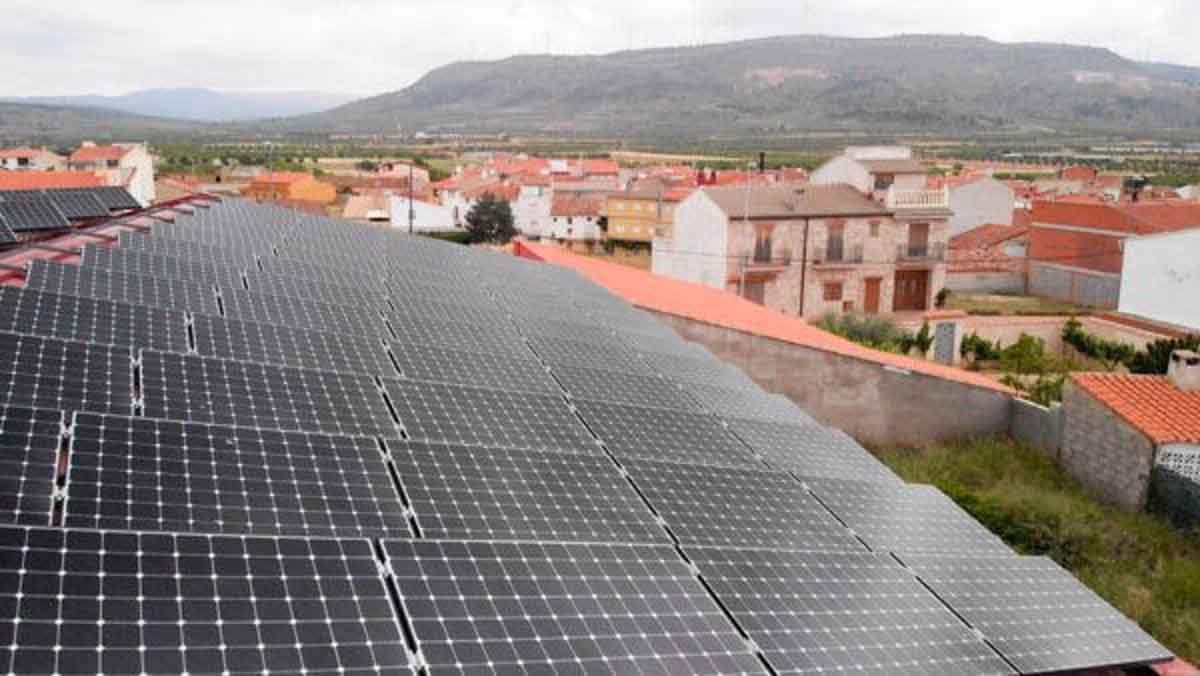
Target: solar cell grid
[(92, 282), (64, 375), (902, 518), (738, 507), (263, 309), (663, 434), (497, 339), (508, 494), (745, 403), (693, 369), (480, 417), (610, 357), (483, 608), (1036, 614), (184, 249), (78, 203), (810, 450), (623, 388), (90, 602), (477, 369), (416, 309), (583, 332), (310, 289), (843, 612), (136, 262), (201, 389), (285, 346), (28, 215), (29, 444), (91, 320), (115, 198), (140, 474), (7, 236)]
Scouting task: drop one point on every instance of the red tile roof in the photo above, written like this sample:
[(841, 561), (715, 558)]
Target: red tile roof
[(986, 236), (1141, 218), (41, 180), (282, 177), (17, 153), (98, 153), (577, 204), (717, 307), (601, 168), (1152, 404)]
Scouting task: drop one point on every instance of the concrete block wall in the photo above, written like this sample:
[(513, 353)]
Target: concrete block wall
[(986, 282), (873, 403), (1104, 452), (1037, 426), (1097, 290)]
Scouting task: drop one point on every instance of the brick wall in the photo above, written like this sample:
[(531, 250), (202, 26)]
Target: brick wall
[(1105, 453)]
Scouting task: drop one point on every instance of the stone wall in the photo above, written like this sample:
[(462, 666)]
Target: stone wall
[(1037, 426), (873, 403), (1104, 452)]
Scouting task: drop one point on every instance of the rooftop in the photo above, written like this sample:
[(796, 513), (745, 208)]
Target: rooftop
[(99, 153), (1151, 404), (793, 200), (986, 236), (41, 180), (1134, 218), (893, 166)]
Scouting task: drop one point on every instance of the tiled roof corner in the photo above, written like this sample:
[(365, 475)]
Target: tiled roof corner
[(1151, 404)]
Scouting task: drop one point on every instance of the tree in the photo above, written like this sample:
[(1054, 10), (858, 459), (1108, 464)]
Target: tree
[(367, 165), (491, 220)]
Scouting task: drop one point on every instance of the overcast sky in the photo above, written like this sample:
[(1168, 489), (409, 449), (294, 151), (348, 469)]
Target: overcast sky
[(52, 47)]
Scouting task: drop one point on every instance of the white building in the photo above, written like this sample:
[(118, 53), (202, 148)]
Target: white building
[(126, 165), (984, 201), (576, 217), (427, 217), (1190, 192), (881, 171), (531, 211), (1160, 278), (31, 159)]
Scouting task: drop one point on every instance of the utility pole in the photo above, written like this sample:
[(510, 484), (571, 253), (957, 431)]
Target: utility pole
[(411, 213), (803, 267)]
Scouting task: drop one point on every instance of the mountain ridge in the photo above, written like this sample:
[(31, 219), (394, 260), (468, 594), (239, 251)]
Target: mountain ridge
[(200, 104)]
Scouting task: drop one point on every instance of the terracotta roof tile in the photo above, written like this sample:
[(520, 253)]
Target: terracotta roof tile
[(1161, 411), (794, 201), (98, 153), (1144, 218), (986, 236), (41, 180), (713, 306)]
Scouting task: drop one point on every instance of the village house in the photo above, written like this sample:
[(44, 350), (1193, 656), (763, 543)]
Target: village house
[(125, 165), (810, 249), (31, 159), (978, 200), (991, 258), (1076, 248), (645, 211), (531, 211), (576, 217), (1160, 278), (290, 187)]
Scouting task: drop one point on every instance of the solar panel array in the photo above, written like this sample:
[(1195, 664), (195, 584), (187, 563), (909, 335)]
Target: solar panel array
[(258, 441)]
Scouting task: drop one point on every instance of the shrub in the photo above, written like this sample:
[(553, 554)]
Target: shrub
[(1109, 353), (875, 332), (1156, 358), (942, 297), (980, 349)]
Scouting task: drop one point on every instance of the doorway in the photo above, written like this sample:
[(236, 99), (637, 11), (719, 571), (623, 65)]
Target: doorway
[(912, 290), (871, 295)]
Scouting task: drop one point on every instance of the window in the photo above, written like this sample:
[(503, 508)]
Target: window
[(874, 229), (22, 161), (884, 181), (833, 292), (570, 220), (113, 164), (762, 244), (836, 242)]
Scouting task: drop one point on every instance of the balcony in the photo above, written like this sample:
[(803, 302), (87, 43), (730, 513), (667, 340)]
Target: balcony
[(917, 199), (838, 256), (761, 261), (921, 253)]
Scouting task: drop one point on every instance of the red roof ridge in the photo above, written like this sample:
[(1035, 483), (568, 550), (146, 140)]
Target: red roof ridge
[(720, 308), (1151, 404)]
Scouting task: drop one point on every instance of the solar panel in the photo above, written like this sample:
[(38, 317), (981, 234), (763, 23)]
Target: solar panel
[(623, 388), (6, 234), (507, 494), (901, 518), (29, 444), (843, 612), (115, 198), (573, 353), (286, 346), (22, 195), (706, 370), (495, 608), (810, 450), (738, 507), (416, 308), (92, 282), (1038, 616), (663, 434), (84, 601), (91, 320), (744, 403), (253, 307), (33, 214), (201, 389), (477, 369), (135, 262), (475, 416), (495, 339), (77, 204), (139, 474), (185, 249), (64, 375)]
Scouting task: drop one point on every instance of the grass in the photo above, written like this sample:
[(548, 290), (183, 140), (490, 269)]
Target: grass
[(1002, 305), (1140, 563)]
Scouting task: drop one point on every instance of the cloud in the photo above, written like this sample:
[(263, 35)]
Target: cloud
[(369, 46)]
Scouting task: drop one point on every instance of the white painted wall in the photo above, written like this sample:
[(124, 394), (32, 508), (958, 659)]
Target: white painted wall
[(574, 228), (982, 202), (138, 166), (531, 211), (843, 169), (698, 247), (879, 152), (1161, 278), (427, 217)]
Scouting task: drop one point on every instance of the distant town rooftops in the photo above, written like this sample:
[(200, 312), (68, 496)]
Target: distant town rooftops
[(577, 205), (42, 180), (95, 153), (1151, 404), (986, 236), (1134, 218), (792, 200), (893, 166)]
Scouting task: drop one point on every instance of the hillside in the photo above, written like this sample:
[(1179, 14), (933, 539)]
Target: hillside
[(945, 83), (203, 105), (29, 123)]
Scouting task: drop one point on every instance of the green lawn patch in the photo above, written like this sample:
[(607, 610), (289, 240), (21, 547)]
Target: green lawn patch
[(1140, 563)]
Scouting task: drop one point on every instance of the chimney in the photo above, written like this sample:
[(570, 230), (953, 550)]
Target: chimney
[(762, 163), (1184, 370)]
